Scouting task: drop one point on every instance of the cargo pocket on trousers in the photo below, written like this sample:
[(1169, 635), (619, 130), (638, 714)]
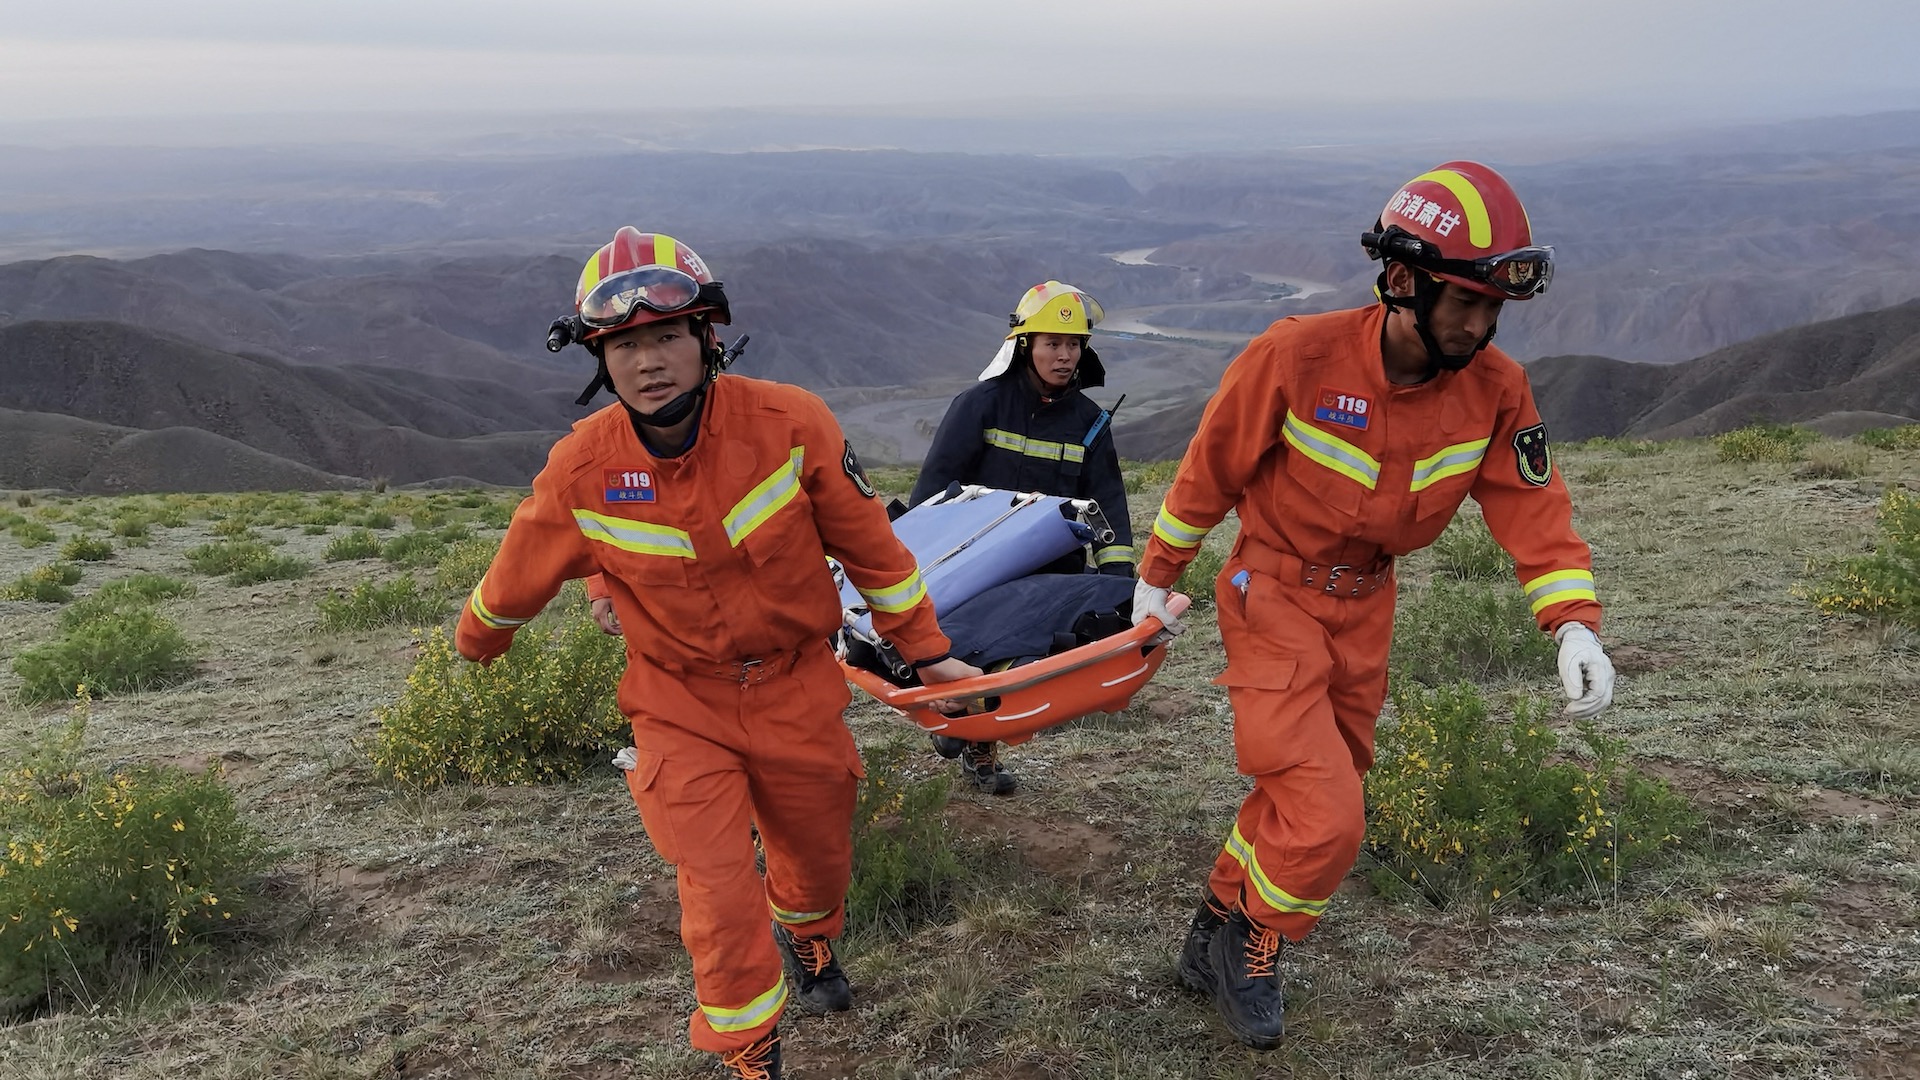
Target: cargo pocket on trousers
[(1265, 673), (645, 785), (1257, 747)]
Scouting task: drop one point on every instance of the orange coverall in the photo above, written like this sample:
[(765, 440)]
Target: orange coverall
[(1333, 470), (716, 564)]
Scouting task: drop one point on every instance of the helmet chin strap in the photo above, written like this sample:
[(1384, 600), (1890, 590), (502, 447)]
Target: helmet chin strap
[(1426, 290)]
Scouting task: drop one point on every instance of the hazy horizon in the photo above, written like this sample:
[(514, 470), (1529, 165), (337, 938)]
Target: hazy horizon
[(1123, 76)]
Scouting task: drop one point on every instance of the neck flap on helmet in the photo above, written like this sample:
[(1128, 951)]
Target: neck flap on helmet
[(1426, 290)]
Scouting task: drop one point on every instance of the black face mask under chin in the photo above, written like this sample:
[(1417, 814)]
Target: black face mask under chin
[(1426, 290), (673, 411)]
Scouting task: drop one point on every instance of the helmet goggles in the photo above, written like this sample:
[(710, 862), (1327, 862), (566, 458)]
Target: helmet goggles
[(662, 290), (1517, 275)]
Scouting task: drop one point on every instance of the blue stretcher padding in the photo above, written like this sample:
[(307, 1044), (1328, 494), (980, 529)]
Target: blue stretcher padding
[(1029, 538)]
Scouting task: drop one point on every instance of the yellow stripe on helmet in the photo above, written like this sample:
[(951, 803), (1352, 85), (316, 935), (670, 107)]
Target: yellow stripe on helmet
[(1479, 223), (663, 250)]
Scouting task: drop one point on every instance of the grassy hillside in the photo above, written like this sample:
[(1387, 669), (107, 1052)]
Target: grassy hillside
[(530, 931)]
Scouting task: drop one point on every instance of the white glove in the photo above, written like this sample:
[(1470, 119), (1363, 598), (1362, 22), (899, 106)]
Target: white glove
[(1152, 600), (1585, 672), (628, 759)]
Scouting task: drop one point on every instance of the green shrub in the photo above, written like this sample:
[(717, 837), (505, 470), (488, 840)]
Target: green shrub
[(109, 871), (313, 530), (1198, 578), (21, 498), (226, 556), (397, 603), (1906, 437), (31, 534), (46, 584), (1468, 630), (1464, 808), (110, 649), (372, 519), (1142, 475), (1885, 584), (358, 544), (121, 596), (427, 519), (543, 711), (905, 867), (1466, 551), (460, 568), (495, 515), (131, 526), (237, 527), (414, 549), (271, 568), (1765, 442), (87, 549), (322, 516), (144, 587)]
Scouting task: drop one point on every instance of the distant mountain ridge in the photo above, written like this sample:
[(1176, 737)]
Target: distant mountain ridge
[(336, 421)]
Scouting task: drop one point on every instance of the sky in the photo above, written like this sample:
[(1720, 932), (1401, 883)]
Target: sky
[(65, 64)]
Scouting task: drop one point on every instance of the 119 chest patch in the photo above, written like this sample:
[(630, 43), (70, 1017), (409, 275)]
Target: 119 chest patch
[(1340, 407), (629, 486)]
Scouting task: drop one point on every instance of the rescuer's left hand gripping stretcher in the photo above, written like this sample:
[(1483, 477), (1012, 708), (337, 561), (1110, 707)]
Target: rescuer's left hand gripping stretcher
[(1063, 644)]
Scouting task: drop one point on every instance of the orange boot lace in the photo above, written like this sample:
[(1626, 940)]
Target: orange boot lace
[(814, 953), (754, 1062), (1263, 949)]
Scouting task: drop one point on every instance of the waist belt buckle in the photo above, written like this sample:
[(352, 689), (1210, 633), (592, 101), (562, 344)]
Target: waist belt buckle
[(1363, 582), (752, 671)]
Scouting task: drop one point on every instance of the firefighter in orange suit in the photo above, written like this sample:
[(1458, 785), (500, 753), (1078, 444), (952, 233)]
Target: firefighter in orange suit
[(1341, 441), (710, 502)]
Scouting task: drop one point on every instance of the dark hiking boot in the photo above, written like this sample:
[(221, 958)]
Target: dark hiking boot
[(1246, 981), (1196, 963), (980, 764), (761, 1061), (948, 747), (816, 974)]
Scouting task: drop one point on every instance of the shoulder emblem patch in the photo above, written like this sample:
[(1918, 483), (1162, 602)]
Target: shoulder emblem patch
[(1531, 453), (850, 461)]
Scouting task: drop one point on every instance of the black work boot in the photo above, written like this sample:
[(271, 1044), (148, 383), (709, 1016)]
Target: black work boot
[(760, 1061), (1246, 981), (1196, 965), (815, 972), (980, 764), (948, 747)]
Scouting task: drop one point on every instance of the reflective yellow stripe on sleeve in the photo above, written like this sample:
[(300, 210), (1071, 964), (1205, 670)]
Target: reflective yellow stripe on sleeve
[(1559, 587), (1275, 897), (488, 618), (1175, 532), (752, 1014), (766, 498), (1114, 554), (640, 537), (902, 597)]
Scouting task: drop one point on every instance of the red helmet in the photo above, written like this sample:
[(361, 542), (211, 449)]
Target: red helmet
[(641, 278), (1461, 222)]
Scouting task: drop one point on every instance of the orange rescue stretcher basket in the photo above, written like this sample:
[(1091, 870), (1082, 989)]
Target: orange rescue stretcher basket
[(971, 539), (1101, 676)]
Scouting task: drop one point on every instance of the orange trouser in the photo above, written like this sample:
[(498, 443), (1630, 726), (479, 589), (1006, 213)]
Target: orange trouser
[(1306, 675), (719, 755)]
